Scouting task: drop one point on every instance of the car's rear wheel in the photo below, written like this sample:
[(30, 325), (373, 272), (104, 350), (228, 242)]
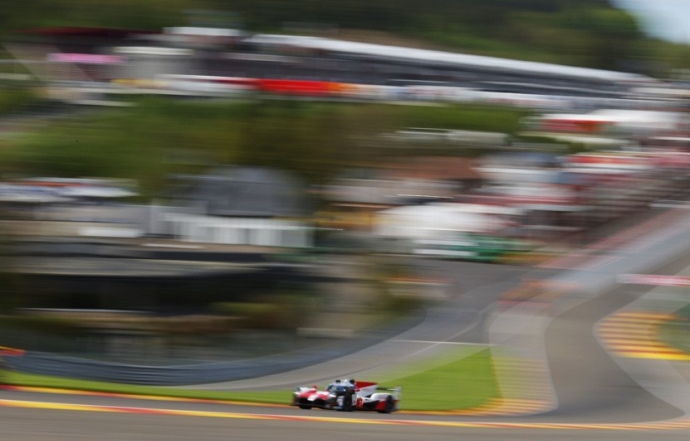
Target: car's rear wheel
[(389, 406), (304, 406)]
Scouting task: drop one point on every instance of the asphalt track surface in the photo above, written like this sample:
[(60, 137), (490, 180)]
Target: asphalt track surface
[(588, 392)]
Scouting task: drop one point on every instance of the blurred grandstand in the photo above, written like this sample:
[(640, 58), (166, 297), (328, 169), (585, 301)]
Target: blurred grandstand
[(87, 63)]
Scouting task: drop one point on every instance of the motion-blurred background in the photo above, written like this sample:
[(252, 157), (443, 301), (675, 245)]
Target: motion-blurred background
[(198, 180)]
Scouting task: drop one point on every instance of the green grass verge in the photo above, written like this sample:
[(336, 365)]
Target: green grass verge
[(462, 383), (676, 332)]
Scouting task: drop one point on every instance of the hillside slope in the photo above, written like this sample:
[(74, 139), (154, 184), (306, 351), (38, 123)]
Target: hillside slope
[(587, 33)]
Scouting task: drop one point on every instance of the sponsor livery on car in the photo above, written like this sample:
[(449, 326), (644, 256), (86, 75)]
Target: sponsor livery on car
[(346, 395)]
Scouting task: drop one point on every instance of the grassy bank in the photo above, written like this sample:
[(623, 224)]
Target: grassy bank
[(460, 383)]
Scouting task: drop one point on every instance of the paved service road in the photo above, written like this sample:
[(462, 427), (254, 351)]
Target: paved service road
[(459, 319)]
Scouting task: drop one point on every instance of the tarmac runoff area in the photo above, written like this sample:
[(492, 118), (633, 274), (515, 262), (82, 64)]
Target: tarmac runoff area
[(518, 333)]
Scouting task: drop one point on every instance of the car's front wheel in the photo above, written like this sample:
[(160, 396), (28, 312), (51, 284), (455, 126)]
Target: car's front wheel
[(344, 402), (304, 406)]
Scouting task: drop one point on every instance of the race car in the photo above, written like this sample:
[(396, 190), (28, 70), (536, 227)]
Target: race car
[(347, 395)]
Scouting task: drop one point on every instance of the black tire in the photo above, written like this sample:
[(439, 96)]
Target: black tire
[(304, 406), (347, 403), (389, 407)]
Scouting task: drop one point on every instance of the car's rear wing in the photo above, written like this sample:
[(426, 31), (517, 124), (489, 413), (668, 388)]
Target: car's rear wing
[(395, 391)]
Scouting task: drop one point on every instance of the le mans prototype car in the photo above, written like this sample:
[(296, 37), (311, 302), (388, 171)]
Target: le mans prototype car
[(347, 395)]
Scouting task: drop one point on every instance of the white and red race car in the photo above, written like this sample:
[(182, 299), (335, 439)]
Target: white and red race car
[(346, 395)]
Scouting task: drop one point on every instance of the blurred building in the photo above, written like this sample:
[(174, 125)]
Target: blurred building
[(70, 53), (237, 206), (354, 199)]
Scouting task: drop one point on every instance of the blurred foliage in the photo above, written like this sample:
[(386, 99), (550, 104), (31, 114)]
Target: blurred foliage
[(48, 325), (283, 312), (16, 99), (254, 315), (314, 140), (485, 118), (148, 14), (577, 32)]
